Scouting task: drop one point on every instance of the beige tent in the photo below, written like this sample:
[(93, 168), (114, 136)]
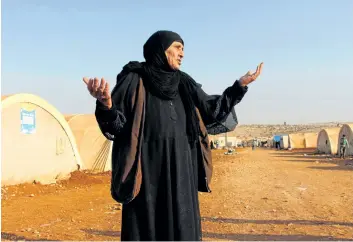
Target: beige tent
[(327, 141), (296, 140), (310, 140), (37, 143), (94, 148), (346, 129)]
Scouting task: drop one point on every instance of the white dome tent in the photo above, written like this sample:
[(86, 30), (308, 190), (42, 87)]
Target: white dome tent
[(327, 141), (37, 143)]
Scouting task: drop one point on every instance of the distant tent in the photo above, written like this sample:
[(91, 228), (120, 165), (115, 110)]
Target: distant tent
[(37, 143), (310, 140), (272, 142), (221, 139), (284, 143), (231, 141), (94, 148), (296, 140), (277, 138), (327, 141), (346, 129)]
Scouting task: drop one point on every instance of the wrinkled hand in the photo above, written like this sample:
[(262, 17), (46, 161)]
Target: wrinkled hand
[(99, 90), (249, 78)]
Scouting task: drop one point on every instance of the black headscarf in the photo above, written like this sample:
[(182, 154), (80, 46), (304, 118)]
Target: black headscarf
[(161, 80)]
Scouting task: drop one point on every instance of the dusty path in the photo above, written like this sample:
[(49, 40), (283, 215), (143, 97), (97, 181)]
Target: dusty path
[(257, 195)]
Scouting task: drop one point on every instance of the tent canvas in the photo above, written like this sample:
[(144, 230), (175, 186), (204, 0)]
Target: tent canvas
[(284, 143), (94, 148), (310, 140), (296, 140)]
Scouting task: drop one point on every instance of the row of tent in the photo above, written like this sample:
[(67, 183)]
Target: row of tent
[(296, 140), (327, 141), (222, 141), (41, 144), (232, 141)]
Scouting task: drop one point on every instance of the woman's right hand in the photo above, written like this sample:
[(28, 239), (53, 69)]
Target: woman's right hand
[(99, 90)]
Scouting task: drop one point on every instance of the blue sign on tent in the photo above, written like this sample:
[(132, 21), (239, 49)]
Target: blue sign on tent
[(28, 121)]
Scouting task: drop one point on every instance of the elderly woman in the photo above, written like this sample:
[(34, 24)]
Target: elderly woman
[(158, 118)]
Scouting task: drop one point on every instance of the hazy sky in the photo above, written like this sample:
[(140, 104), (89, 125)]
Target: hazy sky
[(306, 47)]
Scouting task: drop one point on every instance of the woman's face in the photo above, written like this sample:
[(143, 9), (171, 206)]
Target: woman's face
[(175, 54)]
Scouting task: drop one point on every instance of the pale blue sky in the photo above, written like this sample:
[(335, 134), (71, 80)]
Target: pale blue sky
[(306, 47)]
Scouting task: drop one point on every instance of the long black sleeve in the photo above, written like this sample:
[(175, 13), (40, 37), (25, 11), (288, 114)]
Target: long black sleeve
[(113, 121), (217, 111)]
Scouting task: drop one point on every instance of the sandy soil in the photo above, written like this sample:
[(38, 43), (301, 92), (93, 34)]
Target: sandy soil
[(257, 195)]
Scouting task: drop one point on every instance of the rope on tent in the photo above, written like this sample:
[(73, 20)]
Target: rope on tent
[(102, 157)]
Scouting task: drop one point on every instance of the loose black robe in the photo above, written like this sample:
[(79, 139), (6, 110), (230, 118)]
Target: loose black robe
[(167, 207)]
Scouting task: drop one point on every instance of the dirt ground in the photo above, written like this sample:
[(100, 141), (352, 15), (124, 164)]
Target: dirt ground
[(256, 195)]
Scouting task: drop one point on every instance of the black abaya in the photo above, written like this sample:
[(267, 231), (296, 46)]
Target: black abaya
[(167, 207)]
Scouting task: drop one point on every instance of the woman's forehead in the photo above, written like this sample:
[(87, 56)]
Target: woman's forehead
[(177, 44)]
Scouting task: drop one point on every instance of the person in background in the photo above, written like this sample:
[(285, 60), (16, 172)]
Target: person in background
[(217, 144), (344, 145), (254, 143), (212, 145)]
